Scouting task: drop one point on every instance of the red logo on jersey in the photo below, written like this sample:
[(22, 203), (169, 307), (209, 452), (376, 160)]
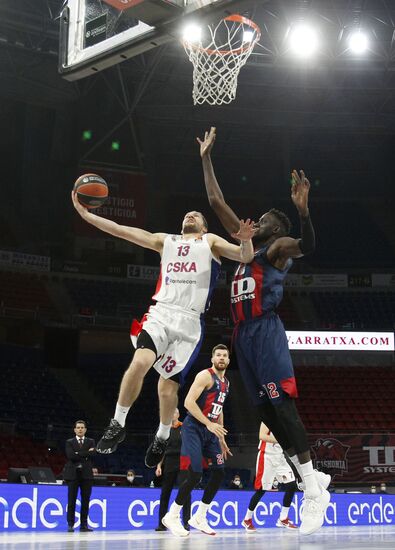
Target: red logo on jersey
[(181, 267)]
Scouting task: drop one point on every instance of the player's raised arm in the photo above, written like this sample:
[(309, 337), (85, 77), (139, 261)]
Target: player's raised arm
[(215, 196), (300, 197), (202, 382), (287, 247), (243, 253), (138, 236)]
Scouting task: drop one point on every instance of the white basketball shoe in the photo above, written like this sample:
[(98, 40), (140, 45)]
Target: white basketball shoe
[(173, 523), (314, 512), (200, 523)]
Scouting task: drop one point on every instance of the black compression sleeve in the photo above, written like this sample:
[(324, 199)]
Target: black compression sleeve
[(307, 242)]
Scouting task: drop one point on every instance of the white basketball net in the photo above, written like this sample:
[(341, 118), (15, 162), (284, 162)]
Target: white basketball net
[(217, 62)]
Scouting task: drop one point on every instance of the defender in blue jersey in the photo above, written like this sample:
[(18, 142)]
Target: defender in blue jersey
[(203, 438), (259, 338)]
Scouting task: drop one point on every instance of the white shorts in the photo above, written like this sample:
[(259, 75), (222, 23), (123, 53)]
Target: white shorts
[(177, 335), (270, 466)]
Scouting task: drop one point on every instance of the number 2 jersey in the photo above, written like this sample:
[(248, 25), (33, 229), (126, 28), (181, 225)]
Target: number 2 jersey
[(257, 288), (211, 401), (188, 274)]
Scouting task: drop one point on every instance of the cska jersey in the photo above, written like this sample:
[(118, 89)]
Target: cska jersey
[(257, 287), (188, 274), (211, 401)]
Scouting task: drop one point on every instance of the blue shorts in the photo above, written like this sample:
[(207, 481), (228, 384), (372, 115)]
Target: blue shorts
[(198, 446), (264, 360)]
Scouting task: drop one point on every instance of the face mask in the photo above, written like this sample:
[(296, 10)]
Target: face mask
[(130, 478), (237, 482)]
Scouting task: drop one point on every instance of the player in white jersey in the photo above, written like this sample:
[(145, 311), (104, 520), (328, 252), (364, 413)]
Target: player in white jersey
[(271, 464), (170, 334)]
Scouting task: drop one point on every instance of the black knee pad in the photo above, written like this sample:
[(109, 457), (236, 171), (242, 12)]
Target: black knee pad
[(213, 485), (256, 497), (193, 478), (269, 417), (289, 491), (292, 424), (187, 486)]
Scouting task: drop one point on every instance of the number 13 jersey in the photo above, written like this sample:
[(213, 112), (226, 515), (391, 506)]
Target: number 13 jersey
[(188, 274)]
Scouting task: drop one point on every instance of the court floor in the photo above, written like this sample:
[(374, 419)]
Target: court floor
[(328, 538)]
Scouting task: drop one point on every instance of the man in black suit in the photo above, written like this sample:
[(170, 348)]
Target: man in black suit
[(78, 474)]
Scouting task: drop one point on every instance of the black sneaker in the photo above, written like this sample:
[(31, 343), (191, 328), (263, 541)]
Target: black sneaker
[(113, 435), (155, 452)]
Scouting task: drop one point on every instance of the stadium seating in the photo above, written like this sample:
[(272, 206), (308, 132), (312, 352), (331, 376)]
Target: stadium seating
[(355, 310), (344, 399), (18, 451), (29, 394), (26, 291)]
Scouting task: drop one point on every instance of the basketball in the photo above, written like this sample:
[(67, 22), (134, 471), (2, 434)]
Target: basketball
[(92, 190)]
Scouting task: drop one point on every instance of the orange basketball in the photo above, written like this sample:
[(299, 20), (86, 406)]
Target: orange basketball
[(92, 190)]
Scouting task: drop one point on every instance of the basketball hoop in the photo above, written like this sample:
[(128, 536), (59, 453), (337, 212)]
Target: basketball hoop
[(217, 64)]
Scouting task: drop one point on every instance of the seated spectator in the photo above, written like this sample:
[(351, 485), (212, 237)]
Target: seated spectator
[(383, 488), (132, 480), (236, 483)]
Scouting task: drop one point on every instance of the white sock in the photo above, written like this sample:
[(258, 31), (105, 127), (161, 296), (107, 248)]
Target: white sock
[(313, 490), (202, 510), (121, 414), (249, 514), (163, 431), (284, 513), (175, 509), (295, 461)]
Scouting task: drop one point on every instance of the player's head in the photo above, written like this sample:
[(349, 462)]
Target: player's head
[(272, 224), (220, 357), (194, 222)]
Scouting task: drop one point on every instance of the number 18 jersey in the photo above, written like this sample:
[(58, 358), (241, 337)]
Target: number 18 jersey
[(188, 274)]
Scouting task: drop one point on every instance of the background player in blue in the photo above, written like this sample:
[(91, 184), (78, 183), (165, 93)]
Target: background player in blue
[(260, 339), (203, 437)]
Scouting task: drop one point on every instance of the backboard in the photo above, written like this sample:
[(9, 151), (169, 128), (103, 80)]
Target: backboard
[(95, 34)]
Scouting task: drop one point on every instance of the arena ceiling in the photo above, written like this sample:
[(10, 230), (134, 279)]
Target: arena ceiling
[(151, 93)]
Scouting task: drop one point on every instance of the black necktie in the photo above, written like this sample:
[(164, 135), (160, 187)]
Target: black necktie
[(80, 442)]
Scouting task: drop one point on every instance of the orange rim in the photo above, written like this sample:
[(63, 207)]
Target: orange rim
[(237, 18)]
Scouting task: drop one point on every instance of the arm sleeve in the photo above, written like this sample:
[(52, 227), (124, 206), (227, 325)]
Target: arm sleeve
[(307, 241)]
